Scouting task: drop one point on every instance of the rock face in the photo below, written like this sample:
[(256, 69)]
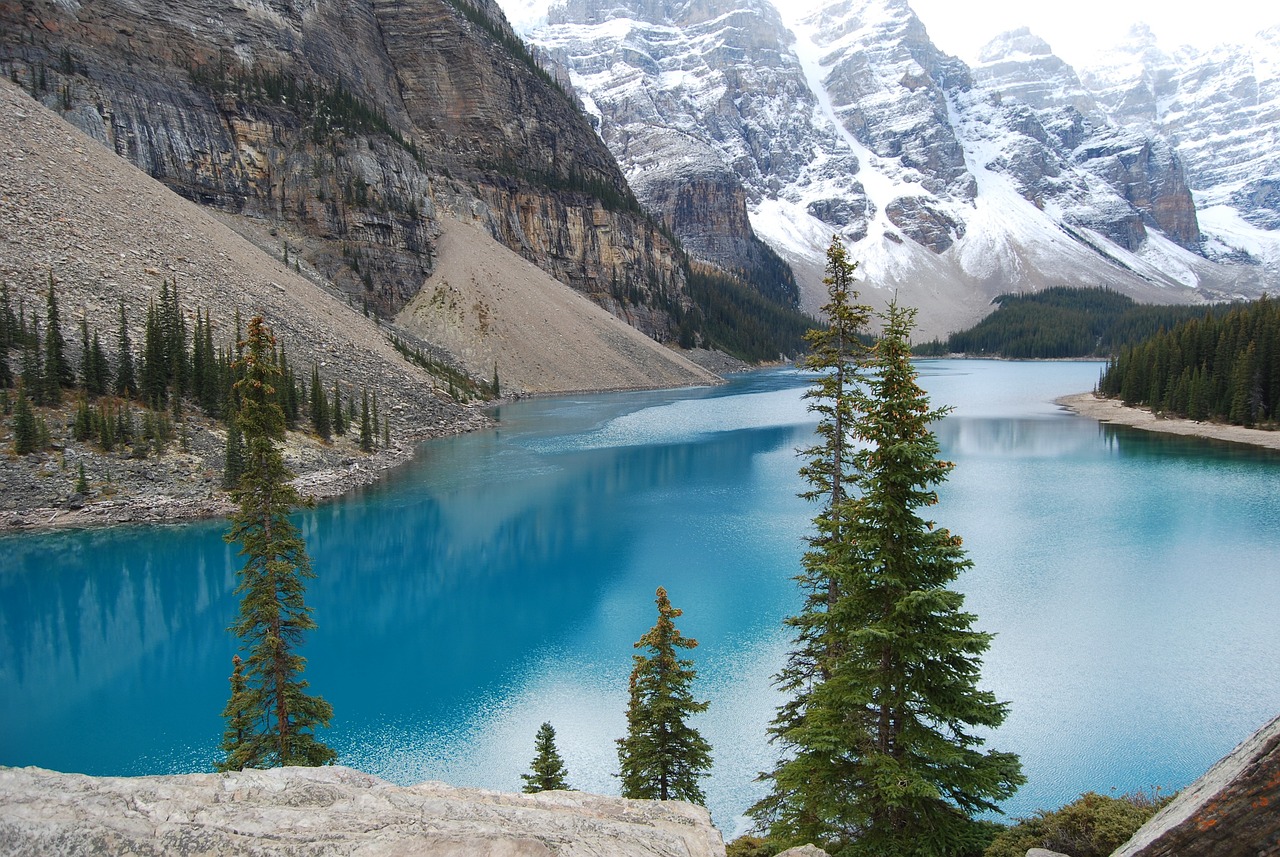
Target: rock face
[(1221, 110), (1232, 811), (351, 125), (686, 97), (951, 183), (330, 811)]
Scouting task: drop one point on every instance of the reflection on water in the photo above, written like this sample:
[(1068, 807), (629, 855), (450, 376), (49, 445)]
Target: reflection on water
[(501, 579)]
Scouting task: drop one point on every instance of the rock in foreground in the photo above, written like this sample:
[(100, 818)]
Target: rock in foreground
[(1232, 811), (329, 811)]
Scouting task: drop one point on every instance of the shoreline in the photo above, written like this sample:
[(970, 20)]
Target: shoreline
[(317, 486), (1113, 411)]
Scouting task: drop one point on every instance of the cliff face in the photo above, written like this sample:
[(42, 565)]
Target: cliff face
[(331, 811), (348, 126)]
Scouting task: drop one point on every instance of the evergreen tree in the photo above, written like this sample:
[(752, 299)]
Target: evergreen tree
[(239, 716), (882, 757), (366, 427), (58, 367), (273, 616), (26, 434), (154, 377), (662, 757), (339, 419), (319, 406), (126, 379), (548, 772), (233, 462), (33, 374)]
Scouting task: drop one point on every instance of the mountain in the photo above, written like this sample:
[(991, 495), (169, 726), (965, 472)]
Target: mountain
[(1220, 108), (951, 183), (345, 135)]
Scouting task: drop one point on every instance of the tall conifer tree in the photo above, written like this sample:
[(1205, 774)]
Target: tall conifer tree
[(126, 379), (273, 615), (319, 406), (662, 757), (881, 756)]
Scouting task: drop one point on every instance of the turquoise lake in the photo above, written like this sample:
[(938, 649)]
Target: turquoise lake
[(500, 580)]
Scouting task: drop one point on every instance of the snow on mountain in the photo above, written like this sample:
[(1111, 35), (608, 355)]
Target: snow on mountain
[(1221, 110), (950, 184)]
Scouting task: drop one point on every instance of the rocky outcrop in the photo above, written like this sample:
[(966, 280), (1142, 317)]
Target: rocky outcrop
[(888, 84), (351, 124), (704, 110), (1229, 812), (331, 811), (1221, 109)]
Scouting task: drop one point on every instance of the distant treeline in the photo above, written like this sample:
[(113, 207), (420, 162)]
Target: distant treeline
[(1062, 322), (1222, 366), (741, 321)]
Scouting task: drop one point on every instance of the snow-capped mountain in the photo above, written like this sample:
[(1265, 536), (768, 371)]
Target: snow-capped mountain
[(951, 184), (1221, 110)]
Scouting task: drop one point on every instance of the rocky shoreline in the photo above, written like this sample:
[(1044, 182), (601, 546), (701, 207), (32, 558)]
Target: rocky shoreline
[(183, 483), (1113, 411)]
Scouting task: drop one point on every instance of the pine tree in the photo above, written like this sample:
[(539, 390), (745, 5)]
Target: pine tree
[(881, 757), (339, 418), (319, 406), (662, 757), (548, 772), (273, 615), (126, 379), (26, 434), (238, 712), (58, 367), (233, 460), (366, 427)]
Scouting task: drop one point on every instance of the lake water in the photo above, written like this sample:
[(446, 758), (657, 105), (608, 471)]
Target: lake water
[(500, 580)]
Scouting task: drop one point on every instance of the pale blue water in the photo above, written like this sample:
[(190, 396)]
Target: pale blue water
[(501, 579)]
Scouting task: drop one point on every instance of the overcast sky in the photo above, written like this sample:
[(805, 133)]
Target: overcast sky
[(1077, 28)]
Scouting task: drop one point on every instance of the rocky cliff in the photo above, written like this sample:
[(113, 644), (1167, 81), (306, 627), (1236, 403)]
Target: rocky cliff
[(1221, 110), (351, 128), (952, 183), (331, 811)]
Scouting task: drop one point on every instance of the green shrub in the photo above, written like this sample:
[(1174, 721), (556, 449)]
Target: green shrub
[(1092, 826)]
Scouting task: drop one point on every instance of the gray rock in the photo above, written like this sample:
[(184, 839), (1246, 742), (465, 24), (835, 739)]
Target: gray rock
[(330, 811), (1045, 852), (1232, 811), (803, 851)]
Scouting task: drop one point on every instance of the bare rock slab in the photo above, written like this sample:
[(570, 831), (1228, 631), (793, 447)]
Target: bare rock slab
[(330, 811), (1232, 811)]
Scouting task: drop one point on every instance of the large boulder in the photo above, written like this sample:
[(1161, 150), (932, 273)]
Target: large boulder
[(330, 811)]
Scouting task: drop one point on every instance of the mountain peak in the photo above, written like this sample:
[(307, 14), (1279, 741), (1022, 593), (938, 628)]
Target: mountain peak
[(1014, 44)]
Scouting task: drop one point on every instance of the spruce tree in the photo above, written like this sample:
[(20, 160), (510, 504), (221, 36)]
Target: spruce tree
[(339, 418), (366, 427), (57, 364), (838, 354), (273, 616), (319, 406), (233, 459), (662, 757), (26, 433), (126, 379), (882, 757), (548, 772)]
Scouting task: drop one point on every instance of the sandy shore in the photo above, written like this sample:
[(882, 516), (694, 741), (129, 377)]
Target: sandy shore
[(1112, 411)]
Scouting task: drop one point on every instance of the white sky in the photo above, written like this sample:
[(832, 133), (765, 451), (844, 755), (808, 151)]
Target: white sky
[(1078, 28), (1075, 29)]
